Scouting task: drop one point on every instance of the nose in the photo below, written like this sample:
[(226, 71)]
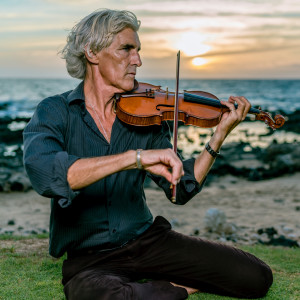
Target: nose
[(136, 59)]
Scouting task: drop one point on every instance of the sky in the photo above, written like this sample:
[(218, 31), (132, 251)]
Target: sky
[(239, 39)]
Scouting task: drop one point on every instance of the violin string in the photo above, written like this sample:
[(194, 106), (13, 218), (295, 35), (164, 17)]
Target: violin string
[(94, 110)]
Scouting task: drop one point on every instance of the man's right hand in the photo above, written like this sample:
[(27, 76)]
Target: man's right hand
[(163, 162)]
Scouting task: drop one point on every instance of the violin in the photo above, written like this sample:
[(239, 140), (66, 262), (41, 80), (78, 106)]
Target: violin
[(149, 105)]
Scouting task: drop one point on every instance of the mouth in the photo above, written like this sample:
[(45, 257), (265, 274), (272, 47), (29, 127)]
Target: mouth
[(132, 74)]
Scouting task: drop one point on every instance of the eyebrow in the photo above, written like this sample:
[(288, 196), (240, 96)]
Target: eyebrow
[(130, 46)]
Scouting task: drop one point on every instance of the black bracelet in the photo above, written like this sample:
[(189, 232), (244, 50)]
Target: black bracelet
[(212, 152)]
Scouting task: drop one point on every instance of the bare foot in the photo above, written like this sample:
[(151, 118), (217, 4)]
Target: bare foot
[(188, 289)]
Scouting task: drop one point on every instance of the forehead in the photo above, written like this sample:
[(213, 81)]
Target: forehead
[(127, 37)]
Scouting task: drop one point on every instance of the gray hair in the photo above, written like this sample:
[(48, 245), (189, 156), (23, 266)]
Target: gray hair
[(93, 33)]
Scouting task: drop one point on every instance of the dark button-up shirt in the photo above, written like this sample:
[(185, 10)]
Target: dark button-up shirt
[(111, 211)]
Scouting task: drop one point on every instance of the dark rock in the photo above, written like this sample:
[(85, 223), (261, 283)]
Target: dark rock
[(42, 230), (232, 238), (276, 160), (196, 231), (270, 231), (7, 231), (11, 137), (4, 105), (281, 241), (31, 231), (279, 200), (255, 175), (19, 182), (11, 222)]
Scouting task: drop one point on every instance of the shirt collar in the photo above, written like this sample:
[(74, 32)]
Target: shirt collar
[(77, 93)]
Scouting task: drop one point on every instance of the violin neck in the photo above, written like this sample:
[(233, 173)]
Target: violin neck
[(212, 102)]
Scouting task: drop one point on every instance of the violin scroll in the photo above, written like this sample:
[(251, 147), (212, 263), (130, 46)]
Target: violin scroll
[(275, 123)]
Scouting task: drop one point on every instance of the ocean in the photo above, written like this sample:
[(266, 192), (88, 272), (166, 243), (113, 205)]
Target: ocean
[(19, 98)]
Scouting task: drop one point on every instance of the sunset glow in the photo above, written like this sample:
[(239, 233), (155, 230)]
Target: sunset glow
[(199, 61), (232, 39)]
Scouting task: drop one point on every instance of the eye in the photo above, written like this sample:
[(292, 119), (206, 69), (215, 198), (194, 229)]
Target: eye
[(126, 48)]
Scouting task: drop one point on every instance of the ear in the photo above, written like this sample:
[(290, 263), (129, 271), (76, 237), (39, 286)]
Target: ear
[(91, 56)]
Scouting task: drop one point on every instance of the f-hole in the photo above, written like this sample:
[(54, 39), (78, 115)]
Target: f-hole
[(163, 105)]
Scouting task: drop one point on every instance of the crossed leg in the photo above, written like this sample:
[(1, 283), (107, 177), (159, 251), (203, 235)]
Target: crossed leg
[(166, 256)]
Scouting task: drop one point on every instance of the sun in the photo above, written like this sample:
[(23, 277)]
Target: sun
[(199, 61), (192, 44)]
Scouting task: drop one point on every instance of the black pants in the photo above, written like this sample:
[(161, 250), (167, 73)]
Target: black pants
[(163, 256)]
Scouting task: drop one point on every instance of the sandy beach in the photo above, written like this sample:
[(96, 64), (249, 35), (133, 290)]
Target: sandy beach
[(248, 206)]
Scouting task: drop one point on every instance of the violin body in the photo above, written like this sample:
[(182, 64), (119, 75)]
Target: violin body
[(150, 105)]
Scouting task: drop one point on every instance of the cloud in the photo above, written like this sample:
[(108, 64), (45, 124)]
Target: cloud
[(287, 15), (247, 50), (252, 29)]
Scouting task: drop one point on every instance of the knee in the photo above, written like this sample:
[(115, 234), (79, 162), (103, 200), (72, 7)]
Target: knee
[(266, 280), (88, 285), (259, 282)]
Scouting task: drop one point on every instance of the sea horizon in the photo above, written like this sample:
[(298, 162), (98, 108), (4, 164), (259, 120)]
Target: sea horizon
[(19, 96)]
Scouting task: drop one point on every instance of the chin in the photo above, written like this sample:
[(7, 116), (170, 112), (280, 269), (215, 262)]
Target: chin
[(128, 85)]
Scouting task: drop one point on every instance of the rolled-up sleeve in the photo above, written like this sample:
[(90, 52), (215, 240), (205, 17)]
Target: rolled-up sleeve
[(188, 186), (45, 158)]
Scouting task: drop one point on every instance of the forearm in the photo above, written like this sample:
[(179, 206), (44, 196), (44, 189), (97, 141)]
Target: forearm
[(86, 171), (228, 122), (205, 160)]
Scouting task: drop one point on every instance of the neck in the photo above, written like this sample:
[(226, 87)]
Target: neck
[(99, 95)]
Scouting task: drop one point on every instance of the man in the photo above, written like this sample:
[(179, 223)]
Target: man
[(93, 167)]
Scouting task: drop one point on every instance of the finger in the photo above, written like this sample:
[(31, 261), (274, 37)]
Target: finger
[(247, 106), (230, 104), (165, 172), (177, 167), (161, 170), (243, 105), (177, 173), (240, 107), (161, 161)]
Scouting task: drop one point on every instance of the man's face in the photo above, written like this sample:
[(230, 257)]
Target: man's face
[(118, 62)]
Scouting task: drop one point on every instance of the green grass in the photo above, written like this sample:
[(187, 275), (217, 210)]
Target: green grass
[(23, 237), (35, 275)]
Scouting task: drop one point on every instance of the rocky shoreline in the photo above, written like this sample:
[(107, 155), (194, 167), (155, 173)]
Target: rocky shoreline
[(255, 164)]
